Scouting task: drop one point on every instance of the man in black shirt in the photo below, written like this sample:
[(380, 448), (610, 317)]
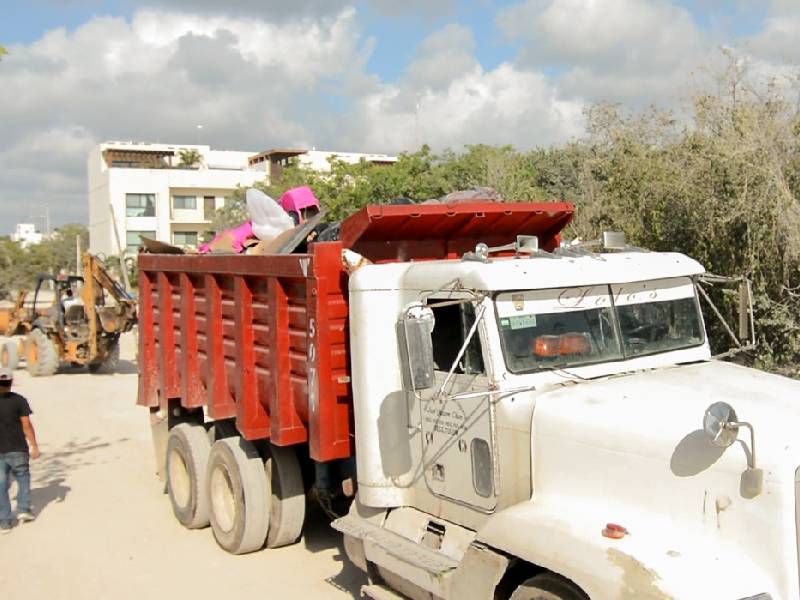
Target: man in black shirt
[(15, 429)]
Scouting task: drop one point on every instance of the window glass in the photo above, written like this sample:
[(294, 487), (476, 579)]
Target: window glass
[(133, 240), (452, 325), (658, 316), (184, 202), (184, 238), (545, 329), (140, 205), (482, 476), (567, 327)]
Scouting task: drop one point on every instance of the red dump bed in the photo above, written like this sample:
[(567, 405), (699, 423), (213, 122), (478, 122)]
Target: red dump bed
[(264, 339)]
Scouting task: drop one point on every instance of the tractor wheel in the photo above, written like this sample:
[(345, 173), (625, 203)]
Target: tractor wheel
[(41, 354), (9, 355), (109, 364), (238, 491)]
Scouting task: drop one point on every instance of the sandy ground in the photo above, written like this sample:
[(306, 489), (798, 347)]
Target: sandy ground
[(104, 529)]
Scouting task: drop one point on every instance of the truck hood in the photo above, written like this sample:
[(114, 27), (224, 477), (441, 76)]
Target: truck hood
[(659, 414)]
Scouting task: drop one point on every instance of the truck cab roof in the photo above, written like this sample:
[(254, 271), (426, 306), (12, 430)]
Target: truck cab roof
[(537, 272)]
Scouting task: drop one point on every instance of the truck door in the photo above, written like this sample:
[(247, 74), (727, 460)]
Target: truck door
[(457, 422)]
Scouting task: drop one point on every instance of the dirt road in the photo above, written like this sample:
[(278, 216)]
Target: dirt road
[(104, 529)]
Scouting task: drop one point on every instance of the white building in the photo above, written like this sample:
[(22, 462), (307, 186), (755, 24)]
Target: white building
[(151, 196), (275, 160), (26, 235)]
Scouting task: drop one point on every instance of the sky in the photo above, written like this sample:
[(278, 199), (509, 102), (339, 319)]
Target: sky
[(380, 76)]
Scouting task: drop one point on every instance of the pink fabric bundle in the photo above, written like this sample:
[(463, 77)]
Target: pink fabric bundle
[(230, 239)]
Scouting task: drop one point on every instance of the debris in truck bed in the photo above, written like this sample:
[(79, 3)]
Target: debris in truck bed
[(289, 241), (299, 202), (155, 247), (268, 218)]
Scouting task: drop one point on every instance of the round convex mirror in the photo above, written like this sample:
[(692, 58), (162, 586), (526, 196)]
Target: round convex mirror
[(719, 424)]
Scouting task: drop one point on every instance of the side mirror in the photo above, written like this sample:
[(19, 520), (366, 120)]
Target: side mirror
[(722, 428), (416, 347), (720, 424)]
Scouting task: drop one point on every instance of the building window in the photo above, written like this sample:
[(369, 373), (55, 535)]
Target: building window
[(184, 238), (133, 240), (184, 202), (140, 205)]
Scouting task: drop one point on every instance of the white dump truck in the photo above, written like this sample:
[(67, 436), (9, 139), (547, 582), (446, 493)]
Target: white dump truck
[(529, 419)]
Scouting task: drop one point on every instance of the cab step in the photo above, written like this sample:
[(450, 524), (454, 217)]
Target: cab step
[(379, 592), (396, 546)]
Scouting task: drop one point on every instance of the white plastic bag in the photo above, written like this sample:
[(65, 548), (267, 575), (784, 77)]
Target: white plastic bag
[(269, 219)]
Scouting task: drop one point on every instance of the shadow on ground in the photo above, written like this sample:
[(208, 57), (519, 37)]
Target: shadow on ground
[(50, 473), (124, 367), (318, 535)]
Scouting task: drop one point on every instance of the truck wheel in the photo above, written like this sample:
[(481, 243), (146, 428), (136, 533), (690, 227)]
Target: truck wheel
[(109, 364), (186, 464), (41, 354), (287, 510), (548, 586), (238, 491), (9, 355)]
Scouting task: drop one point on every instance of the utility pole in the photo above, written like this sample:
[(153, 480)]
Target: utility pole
[(77, 253)]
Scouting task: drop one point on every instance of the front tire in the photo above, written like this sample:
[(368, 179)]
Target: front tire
[(109, 364), (186, 465), (41, 354), (9, 355), (239, 494), (548, 586)]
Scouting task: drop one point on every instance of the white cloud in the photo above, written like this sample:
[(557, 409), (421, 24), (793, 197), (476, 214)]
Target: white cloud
[(777, 41), (618, 50), (251, 84), (444, 55), (502, 106)]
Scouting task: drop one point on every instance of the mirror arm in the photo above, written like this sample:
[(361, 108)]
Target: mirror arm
[(734, 425)]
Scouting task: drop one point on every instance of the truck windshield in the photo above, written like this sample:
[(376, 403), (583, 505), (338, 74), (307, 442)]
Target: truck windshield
[(568, 327)]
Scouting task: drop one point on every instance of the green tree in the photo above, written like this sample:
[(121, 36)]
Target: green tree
[(189, 158), (20, 267), (3, 52)]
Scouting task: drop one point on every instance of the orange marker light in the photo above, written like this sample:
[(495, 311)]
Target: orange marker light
[(614, 531), (547, 345)]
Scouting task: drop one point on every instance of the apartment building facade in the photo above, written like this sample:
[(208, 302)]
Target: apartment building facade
[(141, 189)]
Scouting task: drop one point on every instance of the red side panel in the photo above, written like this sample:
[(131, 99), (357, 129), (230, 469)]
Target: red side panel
[(148, 364), (259, 338), (329, 394)]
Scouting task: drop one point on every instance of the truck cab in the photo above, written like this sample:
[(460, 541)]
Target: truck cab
[(537, 421)]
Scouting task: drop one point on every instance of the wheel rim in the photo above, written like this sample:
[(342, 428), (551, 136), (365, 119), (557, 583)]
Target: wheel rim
[(223, 501), (179, 481)]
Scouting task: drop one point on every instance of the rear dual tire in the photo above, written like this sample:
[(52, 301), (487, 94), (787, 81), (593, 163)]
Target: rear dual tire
[(238, 492), (249, 502), (186, 465)]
